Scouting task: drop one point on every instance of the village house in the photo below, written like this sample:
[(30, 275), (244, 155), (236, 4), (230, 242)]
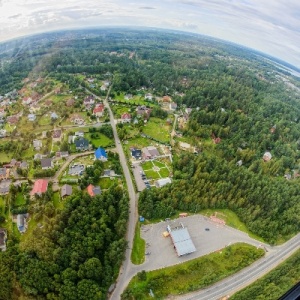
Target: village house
[(77, 119), (54, 116), (31, 117), (56, 135), (5, 186), (81, 144), (34, 108), (22, 222), (2, 112), (62, 154), (149, 97), (167, 99), (66, 190), (173, 106), (143, 111), (162, 182), (40, 187), (100, 154), (267, 156), (3, 238), (27, 101), (136, 153), (12, 120), (4, 173), (88, 102), (2, 133), (98, 110), (37, 144), (150, 152), (70, 102), (46, 163), (93, 190), (128, 96), (125, 118)]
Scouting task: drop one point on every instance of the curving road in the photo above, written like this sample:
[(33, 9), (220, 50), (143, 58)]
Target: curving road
[(248, 275)]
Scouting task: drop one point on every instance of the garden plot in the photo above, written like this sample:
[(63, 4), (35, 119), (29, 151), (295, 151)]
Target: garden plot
[(156, 169)]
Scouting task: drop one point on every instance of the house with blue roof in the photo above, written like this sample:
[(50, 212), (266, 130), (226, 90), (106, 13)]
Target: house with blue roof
[(100, 154)]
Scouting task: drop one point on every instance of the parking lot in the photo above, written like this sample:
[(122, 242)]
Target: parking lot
[(137, 172), (206, 235), (76, 170)]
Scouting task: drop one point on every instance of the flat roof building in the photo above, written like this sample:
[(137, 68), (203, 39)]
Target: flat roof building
[(182, 241)]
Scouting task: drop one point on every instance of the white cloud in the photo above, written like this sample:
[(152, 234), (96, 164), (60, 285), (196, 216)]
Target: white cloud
[(273, 27)]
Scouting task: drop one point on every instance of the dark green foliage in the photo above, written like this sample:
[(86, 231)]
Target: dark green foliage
[(268, 206), (78, 255)]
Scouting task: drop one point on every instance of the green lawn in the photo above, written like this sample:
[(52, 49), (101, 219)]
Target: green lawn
[(20, 200), (28, 153), (101, 141), (159, 164), (163, 134), (164, 172), (231, 220), (152, 174), (45, 120), (138, 248), (57, 202), (192, 275), (106, 183), (9, 128), (147, 165)]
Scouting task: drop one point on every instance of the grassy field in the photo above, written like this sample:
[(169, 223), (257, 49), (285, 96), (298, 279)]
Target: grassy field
[(45, 120), (106, 183), (156, 169), (138, 142), (231, 220), (20, 200), (275, 283), (138, 249), (101, 141), (57, 202), (163, 134), (28, 153), (192, 275)]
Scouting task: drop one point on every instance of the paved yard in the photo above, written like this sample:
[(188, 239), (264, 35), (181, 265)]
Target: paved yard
[(76, 169), (206, 241)]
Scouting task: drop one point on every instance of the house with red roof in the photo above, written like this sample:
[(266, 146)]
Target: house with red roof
[(98, 110), (40, 187), (126, 118), (93, 190)]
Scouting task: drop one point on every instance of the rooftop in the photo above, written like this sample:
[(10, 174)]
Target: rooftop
[(182, 241)]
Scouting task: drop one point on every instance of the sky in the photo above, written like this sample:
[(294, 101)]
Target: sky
[(270, 26)]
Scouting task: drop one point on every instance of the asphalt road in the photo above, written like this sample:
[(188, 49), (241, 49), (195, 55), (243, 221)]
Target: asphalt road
[(127, 270), (248, 275)]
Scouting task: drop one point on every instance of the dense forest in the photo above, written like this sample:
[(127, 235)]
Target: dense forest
[(75, 255), (235, 95)]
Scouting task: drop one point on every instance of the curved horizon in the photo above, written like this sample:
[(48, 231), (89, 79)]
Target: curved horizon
[(270, 29)]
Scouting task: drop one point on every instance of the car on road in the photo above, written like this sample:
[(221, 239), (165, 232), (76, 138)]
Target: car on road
[(207, 229)]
